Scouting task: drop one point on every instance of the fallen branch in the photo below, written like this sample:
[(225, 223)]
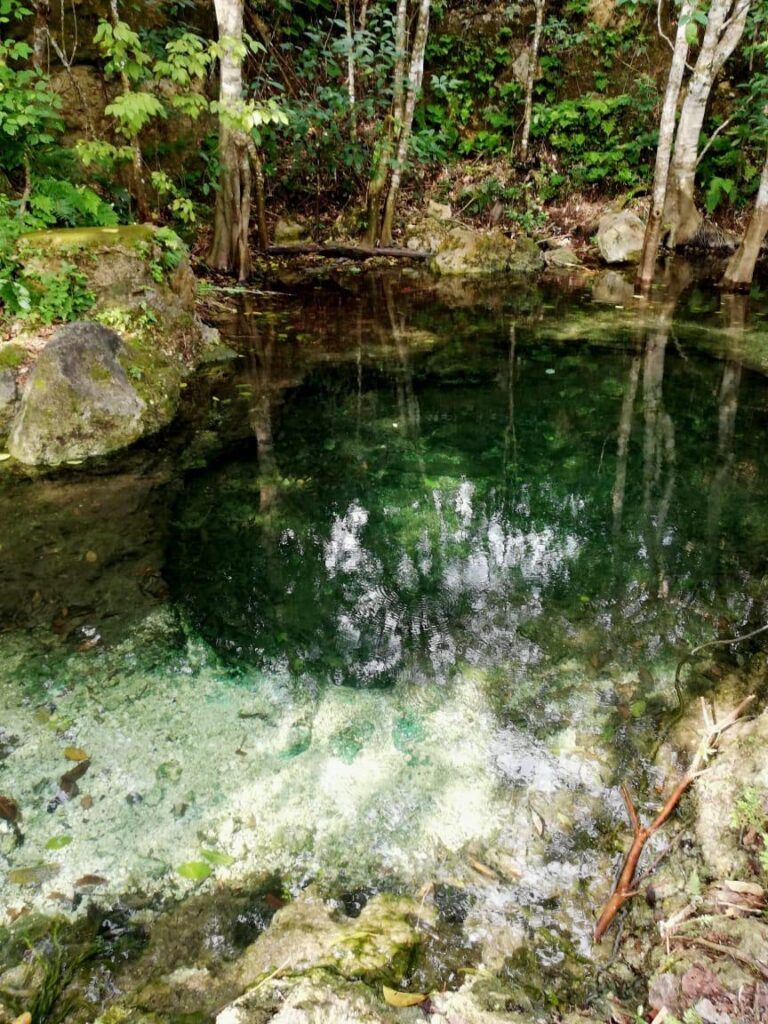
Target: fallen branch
[(353, 252), (757, 966), (624, 887)]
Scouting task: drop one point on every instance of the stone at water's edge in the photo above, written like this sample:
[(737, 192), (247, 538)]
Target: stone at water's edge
[(459, 249), (141, 284), (78, 401), (620, 237)]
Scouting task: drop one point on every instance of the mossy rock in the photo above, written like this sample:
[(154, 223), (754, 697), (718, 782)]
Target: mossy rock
[(143, 289), (465, 250), (377, 946), (78, 400)]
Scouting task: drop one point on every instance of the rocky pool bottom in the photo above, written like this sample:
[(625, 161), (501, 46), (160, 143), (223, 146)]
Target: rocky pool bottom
[(333, 687)]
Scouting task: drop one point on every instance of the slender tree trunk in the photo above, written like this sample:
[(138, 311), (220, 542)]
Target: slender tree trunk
[(415, 76), (725, 27), (40, 34), (383, 153), (664, 152), (229, 249), (530, 78), (741, 266), (137, 161), (350, 30)]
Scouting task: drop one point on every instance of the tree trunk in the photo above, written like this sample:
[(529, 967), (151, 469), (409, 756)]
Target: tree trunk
[(741, 266), (415, 75), (350, 62), (383, 153), (530, 78), (40, 34), (664, 152), (137, 161), (229, 249), (725, 27)]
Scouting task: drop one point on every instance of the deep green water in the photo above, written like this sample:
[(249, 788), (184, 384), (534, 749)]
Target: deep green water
[(405, 588)]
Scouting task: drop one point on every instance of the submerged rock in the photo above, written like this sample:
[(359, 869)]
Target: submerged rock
[(620, 236), (78, 400), (305, 935)]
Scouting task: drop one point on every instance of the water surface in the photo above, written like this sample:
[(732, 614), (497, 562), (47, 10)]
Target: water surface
[(398, 602)]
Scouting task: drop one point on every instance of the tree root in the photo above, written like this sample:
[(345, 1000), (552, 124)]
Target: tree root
[(707, 747)]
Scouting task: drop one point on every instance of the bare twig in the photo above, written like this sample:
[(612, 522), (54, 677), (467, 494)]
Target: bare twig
[(624, 887)]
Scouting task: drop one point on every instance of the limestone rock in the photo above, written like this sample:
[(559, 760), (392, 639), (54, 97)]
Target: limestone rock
[(319, 997), (440, 211), (742, 762), (7, 398), (562, 256), (78, 400), (620, 237), (143, 288), (289, 232), (464, 250), (306, 935)]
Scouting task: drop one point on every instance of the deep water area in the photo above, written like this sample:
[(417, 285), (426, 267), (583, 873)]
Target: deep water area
[(393, 608)]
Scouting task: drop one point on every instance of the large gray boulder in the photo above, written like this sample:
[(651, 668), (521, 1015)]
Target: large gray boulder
[(78, 401), (620, 237)]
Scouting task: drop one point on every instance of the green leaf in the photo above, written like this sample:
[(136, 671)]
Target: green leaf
[(195, 870), (691, 34), (58, 842)]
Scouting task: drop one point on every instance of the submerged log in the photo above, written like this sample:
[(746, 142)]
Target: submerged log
[(352, 252)]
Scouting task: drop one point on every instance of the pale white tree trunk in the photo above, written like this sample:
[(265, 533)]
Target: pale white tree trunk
[(664, 151), (741, 266), (350, 29), (725, 27), (229, 249), (415, 76), (383, 155), (530, 78)]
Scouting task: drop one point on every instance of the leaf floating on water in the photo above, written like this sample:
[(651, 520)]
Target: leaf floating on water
[(35, 875), (90, 881), (481, 869), (9, 809), (395, 998), (217, 857), (58, 842), (75, 754), (68, 779), (638, 708), (4, 456), (195, 870)]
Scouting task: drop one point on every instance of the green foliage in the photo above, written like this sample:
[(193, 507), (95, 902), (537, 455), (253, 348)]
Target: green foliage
[(56, 296), (29, 116), (605, 140)]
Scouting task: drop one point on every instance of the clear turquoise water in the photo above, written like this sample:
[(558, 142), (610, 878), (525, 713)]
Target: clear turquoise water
[(404, 590)]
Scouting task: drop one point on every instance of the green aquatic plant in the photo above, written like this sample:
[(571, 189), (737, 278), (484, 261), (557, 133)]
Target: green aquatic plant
[(59, 964)]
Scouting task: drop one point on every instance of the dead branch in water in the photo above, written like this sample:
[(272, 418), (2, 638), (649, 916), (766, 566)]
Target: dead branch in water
[(642, 833)]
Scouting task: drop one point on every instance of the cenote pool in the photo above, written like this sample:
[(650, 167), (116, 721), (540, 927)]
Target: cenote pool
[(394, 608)]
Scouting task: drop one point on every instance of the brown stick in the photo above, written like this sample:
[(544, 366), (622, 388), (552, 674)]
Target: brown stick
[(642, 833)]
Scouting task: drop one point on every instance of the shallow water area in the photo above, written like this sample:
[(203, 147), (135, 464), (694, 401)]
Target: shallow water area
[(395, 607)]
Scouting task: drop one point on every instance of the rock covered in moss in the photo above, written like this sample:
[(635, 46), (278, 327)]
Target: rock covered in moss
[(620, 236), (140, 285), (741, 765), (306, 934), (311, 998), (459, 249), (78, 400)]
